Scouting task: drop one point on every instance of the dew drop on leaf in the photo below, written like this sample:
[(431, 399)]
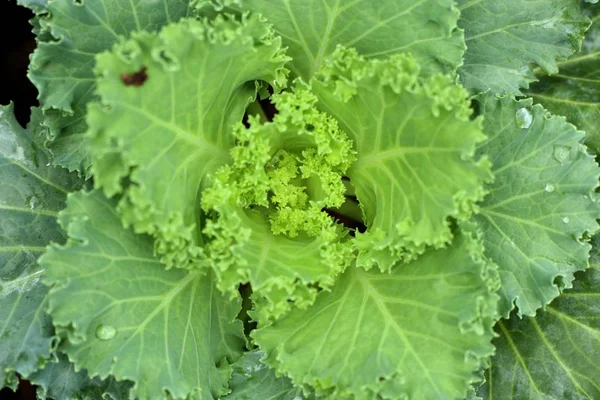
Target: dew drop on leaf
[(524, 118), (562, 154), (549, 25), (549, 188), (33, 202), (105, 332), (565, 220)]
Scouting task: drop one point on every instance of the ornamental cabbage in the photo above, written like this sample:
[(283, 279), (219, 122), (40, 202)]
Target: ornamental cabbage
[(251, 199)]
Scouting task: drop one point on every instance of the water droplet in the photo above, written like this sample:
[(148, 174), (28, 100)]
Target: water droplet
[(258, 367), (549, 188), (548, 25), (565, 220), (105, 332), (47, 165), (562, 154), (33, 202), (524, 118)]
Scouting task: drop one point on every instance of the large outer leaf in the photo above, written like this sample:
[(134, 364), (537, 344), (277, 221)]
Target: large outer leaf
[(58, 380), (313, 28), (252, 379), (62, 64), (505, 37), (415, 148), (575, 91), (200, 77), (31, 195), (554, 355), (420, 331), (541, 202), (124, 314)]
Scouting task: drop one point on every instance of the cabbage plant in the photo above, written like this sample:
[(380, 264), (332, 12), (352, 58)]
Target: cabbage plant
[(316, 199)]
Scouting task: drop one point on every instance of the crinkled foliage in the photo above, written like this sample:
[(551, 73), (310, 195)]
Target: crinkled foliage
[(197, 64), (253, 379), (388, 334), (167, 331), (415, 145), (304, 199), (376, 28), (31, 195), (505, 38), (554, 355), (575, 91), (541, 204), (270, 228), (62, 65), (59, 380)]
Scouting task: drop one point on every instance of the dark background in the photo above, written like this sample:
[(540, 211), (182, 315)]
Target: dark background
[(16, 43)]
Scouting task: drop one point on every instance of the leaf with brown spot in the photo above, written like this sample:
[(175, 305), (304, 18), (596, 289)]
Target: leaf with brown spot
[(135, 79)]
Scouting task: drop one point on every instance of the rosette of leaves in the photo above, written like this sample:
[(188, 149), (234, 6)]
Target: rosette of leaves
[(390, 222), (269, 227)]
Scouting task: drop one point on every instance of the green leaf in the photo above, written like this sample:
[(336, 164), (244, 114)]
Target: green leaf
[(37, 6), (192, 87), (252, 379), (595, 253), (506, 37), (415, 145), (575, 91), (283, 271), (62, 65), (472, 394), (541, 203), (554, 355), (58, 380), (31, 195), (421, 331), (376, 28), (122, 313)]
